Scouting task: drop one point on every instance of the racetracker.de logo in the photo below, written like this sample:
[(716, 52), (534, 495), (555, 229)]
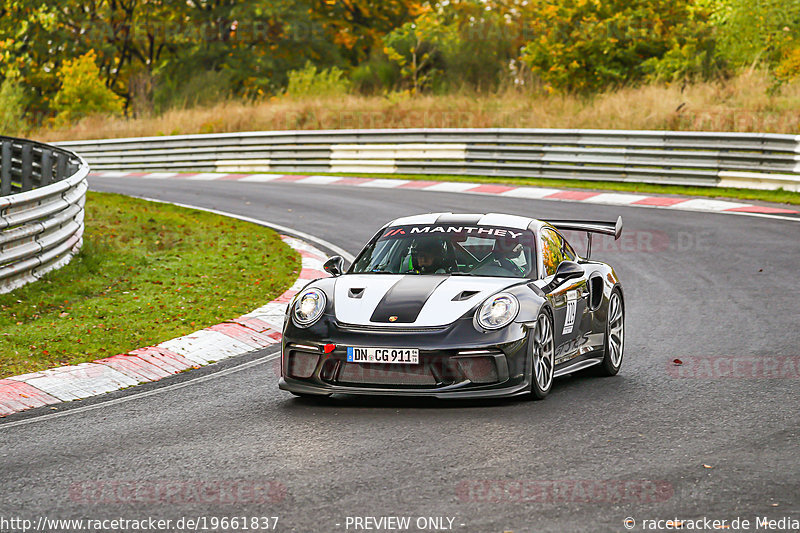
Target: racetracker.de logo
[(566, 490), (224, 491), (643, 241), (735, 366)]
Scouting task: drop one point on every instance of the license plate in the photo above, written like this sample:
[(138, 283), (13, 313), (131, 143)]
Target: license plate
[(408, 356)]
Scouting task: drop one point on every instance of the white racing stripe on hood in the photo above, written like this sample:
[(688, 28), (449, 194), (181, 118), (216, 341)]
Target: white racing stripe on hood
[(439, 310), (359, 310)]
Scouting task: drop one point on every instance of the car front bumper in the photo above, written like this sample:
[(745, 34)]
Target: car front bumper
[(456, 361)]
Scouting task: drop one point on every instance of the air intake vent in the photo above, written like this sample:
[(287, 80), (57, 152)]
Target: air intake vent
[(356, 293), (302, 364), (464, 295)]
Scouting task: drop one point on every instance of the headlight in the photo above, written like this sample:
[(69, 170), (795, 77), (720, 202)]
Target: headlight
[(498, 311), (308, 307)]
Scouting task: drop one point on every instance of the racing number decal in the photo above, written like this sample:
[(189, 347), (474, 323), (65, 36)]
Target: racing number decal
[(572, 307)]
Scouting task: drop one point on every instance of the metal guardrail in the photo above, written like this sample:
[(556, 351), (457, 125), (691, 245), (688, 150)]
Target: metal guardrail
[(685, 158), (42, 195)]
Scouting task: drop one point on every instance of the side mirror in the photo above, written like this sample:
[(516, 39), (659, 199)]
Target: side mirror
[(567, 270), (334, 266)]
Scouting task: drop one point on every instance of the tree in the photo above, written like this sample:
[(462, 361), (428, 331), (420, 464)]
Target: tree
[(83, 92), (357, 27), (585, 45), (417, 48), (487, 36), (37, 37), (761, 31)]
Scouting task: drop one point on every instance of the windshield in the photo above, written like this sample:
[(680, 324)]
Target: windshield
[(449, 249)]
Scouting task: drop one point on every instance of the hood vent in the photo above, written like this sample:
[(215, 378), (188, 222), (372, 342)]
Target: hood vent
[(464, 295), (356, 293)]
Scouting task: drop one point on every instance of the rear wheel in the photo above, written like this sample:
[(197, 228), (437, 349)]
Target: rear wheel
[(542, 357), (615, 336)]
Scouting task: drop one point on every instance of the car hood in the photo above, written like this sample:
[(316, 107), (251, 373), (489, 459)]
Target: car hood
[(410, 300)]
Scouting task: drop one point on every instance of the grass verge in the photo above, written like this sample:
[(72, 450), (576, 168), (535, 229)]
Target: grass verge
[(147, 272), (779, 196)]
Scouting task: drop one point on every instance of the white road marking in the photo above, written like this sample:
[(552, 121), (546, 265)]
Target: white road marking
[(206, 346), (244, 366), (260, 178), (319, 180), (384, 183), (451, 186), (110, 174), (159, 175), (207, 176), (702, 204), (77, 381), (313, 264), (530, 192), (612, 198)]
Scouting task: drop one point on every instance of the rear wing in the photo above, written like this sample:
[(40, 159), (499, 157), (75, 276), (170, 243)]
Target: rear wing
[(590, 226)]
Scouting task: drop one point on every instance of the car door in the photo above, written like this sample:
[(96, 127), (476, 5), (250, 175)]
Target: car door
[(568, 299)]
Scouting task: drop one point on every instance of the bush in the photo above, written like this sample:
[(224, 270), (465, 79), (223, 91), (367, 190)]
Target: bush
[(485, 43), (692, 57), (83, 92), (375, 76), (205, 88), (789, 69), (12, 112), (755, 32), (308, 81), (582, 45)]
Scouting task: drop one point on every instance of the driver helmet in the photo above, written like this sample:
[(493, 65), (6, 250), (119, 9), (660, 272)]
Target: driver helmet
[(427, 256)]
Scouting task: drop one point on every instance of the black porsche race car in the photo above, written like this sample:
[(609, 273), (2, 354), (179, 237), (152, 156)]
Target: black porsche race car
[(457, 306)]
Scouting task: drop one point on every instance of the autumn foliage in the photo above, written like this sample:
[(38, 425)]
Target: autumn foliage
[(83, 92), (144, 58)]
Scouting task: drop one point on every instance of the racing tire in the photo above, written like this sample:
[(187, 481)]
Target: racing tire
[(615, 337), (542, 356)]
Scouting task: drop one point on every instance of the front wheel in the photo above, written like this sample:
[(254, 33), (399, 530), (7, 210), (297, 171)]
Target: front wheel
[(542, 357), (615, 336)]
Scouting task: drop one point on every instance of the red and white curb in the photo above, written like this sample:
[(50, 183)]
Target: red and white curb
[(256, 330), (534, 193)]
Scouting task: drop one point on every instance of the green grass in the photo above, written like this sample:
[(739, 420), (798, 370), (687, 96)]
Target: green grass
[(779, 196), (147, 273)]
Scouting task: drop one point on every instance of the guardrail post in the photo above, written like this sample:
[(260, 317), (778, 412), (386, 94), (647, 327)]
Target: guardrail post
[(47, 169), (61, 167), (27, 168), (5, 169)]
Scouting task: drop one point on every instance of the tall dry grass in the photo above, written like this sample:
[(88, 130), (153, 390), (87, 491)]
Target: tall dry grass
[(743, 103)]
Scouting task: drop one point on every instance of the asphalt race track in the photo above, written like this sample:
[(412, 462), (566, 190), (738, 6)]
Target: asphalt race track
[(719, 292)]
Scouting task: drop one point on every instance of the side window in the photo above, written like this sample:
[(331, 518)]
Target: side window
[(569, 253), (554, 250)]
